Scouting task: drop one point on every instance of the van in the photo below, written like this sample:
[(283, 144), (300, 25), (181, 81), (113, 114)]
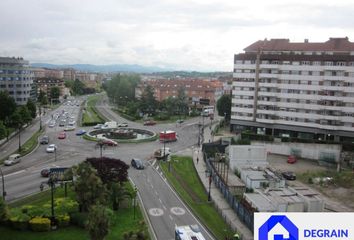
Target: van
[(13, 159)]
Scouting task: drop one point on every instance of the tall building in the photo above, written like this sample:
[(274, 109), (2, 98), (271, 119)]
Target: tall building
[(296, 89), (16, 78)]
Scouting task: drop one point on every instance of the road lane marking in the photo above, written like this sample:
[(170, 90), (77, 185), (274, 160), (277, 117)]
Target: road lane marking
[(14, 173)]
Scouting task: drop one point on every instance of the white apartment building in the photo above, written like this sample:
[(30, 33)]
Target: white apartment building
[(296, 89), (16, 78)]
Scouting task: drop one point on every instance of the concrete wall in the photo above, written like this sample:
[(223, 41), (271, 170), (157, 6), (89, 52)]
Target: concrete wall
[(247, 155), (307, 150)]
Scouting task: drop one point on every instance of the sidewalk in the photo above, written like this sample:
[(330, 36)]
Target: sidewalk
[(222, 206)]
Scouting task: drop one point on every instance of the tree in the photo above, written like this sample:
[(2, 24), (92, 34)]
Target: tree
[(78, 87), (54, 93), (17, 122), (42, 98), (170, 105), (2, 130), (31, 106), (98, 222), (7, 105), (4, 211), (113, 173), (224, 106), (88, 186), (148, 101), (182, 101), (25, 114)]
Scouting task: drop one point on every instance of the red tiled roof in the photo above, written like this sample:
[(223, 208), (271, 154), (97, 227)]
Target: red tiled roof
[(333, 45)]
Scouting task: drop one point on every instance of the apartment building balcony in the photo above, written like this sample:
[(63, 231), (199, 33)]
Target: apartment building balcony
[(244, 75), (243, 84)]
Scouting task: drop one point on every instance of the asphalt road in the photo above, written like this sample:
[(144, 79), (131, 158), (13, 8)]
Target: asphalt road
[(164, 208)]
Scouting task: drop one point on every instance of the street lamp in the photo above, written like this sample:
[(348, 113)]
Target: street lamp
[(51, 184), (55, 153), (3, 185), (199, 133), (209, 173), (135, 193)]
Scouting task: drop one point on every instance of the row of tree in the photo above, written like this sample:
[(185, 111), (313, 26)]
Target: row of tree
[(13, 116), (78, 88)]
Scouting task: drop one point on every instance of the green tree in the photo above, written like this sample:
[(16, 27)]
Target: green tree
[(4, 210), (78, 87), (169, 105), (148, 101), (182, 102), (42, 98), (17, 122), (54, 93), (31, 106), (88, 186), (7, 105), (2, 130), (224, 106), (98, 222), (25, 114)]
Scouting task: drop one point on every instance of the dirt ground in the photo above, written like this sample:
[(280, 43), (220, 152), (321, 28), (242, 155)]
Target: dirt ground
[(336, 198)]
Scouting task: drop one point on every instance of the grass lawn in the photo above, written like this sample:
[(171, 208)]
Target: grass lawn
[(123, 221), (91, 115), (186, 182)]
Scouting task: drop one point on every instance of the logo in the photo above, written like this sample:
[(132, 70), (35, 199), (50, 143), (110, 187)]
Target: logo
[(284, 222)]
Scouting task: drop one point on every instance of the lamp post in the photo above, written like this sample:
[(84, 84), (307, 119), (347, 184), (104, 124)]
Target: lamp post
[(135, 193), (40, 116), (199, 133), (55, 153), (210, 180), (3, 185)]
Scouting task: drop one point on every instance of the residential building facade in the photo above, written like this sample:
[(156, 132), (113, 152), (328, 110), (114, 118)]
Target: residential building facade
[(16, 78), (46, 83), (295, 89)]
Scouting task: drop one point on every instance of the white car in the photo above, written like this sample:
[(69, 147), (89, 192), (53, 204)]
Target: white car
[(51, 148), (123, 124), (51, 124), (13, 159), (98, 126)]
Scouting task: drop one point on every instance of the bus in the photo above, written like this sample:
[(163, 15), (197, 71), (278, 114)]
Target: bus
[(188, 232)]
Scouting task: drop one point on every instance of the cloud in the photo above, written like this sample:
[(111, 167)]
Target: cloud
[(183, 34)]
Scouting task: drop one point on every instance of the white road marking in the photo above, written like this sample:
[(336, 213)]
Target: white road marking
[(14, 173)]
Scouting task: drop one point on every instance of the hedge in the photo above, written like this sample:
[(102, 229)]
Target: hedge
[(79, 219), (63, 220), (40, 224), (18, 219)]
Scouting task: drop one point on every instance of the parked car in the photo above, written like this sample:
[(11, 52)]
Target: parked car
[(124, 124), (13, 159), (71, 122), (149, 123), (137, 163), (80, 132), (62, 123), (45, 172), (62, 135), (291, 159), (51, 148), (110, 142), (289, 175), (180, 121), (44, 140)]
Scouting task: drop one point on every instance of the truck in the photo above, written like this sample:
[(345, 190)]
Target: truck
[(208, 111), (168, 136), (162, 153), (109, 125)]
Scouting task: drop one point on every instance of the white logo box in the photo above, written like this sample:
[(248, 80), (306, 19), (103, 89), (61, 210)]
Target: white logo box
[(311, 226)]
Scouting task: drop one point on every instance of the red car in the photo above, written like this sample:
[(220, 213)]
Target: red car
[(62, 135), (149, 123), (291, 159), (109, 142)]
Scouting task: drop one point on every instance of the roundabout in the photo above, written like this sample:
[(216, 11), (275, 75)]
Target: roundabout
[(122, 135)]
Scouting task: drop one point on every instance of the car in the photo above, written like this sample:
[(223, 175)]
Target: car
[(291, 159), (124, 124), (149, 123), (80, 132), (180, 121), (13, 159), (51, 124), (110, 142), (45, 172), (137, 163), (62, 135), (62, 123), (289, 175), (71, 122), (98, 126), (51, 148), (69, 129), (44, 140)]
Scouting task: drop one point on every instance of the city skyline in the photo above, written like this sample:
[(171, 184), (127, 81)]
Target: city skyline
[(182, 35)]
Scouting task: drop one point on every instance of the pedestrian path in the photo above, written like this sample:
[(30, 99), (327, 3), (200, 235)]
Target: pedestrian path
[(223, 207)]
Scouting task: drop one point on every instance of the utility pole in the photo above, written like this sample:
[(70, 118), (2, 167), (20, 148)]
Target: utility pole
[(3, 185), (40, 117)]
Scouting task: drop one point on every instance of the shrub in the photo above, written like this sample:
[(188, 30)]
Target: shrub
[(18, 219), (64, 206), (40, 224), (63, 220), (4, 211), (36, 211), (79, 219)]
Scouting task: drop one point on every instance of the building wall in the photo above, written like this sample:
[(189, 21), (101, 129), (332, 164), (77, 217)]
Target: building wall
[(16, 78), (295, 88)]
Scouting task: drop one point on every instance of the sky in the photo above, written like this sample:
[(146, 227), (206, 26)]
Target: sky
[(200, 35)]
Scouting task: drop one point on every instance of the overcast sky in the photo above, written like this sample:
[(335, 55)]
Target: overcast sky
[(179, 34)]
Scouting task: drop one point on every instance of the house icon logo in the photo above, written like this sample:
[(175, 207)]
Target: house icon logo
[(284, 222)]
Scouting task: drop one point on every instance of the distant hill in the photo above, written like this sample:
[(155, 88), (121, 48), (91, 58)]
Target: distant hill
[(105, 68)]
